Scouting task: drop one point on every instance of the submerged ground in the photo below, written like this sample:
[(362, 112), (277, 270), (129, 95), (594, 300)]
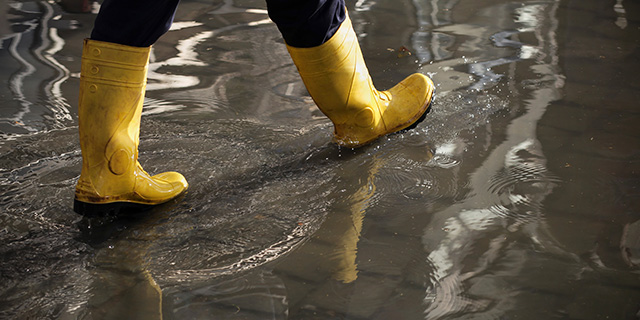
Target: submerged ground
[(517, 198)]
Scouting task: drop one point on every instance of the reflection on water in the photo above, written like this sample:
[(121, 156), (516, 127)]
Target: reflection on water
[(32, 100), (507, 190), (187, 55), (483, 211)]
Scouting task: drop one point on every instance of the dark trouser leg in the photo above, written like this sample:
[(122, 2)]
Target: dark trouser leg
[(307, 23), (140, 23), (137, 23)]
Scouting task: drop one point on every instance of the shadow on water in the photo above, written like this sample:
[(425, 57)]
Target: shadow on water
[(515, 198)]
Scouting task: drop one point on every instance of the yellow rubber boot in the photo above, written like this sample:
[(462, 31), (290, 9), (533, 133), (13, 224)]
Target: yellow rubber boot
[(337, 79), (112, 86)]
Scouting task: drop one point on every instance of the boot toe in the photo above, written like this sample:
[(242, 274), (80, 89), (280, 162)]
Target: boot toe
[(414, 93), (159, 188), (411, 99), (177, 180)]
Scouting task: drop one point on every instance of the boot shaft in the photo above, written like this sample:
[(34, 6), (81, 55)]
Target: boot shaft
[(112, 87), (338, 80)]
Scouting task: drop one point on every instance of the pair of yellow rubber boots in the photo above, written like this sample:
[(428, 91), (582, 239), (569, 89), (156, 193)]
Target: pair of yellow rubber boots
[(112, 88)]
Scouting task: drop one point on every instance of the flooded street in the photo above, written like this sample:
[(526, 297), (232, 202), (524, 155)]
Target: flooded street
[(518, 197)]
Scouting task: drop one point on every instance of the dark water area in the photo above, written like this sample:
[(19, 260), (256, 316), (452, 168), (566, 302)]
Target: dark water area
[(517, 198)]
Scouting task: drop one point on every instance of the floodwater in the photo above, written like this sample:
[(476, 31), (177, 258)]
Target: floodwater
[(517, 198)]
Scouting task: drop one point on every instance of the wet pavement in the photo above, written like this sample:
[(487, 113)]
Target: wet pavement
[(517, 198)]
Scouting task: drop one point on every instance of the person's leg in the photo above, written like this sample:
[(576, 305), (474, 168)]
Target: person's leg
[(113, 79), (137, 23), (325, 49), (306, 24)]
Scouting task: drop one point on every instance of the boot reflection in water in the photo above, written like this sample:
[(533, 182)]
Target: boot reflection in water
[(321, 42), (346, 250)]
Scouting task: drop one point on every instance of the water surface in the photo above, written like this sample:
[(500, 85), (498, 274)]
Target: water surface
[(517, 197)]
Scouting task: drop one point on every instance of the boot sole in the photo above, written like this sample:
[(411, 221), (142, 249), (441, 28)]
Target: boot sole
[(114, 209)]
